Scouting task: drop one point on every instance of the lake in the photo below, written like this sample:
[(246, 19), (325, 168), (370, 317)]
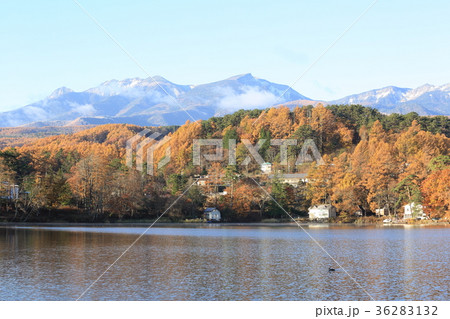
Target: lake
[(225, 262)]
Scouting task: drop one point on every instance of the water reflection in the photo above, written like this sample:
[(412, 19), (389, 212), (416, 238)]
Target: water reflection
[(224, 263)]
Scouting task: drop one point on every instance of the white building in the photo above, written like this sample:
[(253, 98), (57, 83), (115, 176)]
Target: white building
[(291, 179), (413, 210), (9, 191), (379, 212), (322, 211), (212, 214), (359, 213), (201, 180), (266, 167)]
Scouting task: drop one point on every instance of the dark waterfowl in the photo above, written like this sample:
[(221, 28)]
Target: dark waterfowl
[(331, 269)]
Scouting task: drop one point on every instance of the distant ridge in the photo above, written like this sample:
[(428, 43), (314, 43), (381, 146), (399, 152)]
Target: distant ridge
[(147, 103), (425, 100)]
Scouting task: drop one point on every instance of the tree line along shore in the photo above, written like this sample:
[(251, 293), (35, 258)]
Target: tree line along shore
[(371, 162)]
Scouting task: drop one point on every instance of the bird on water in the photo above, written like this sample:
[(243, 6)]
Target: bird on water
[(331, 269)]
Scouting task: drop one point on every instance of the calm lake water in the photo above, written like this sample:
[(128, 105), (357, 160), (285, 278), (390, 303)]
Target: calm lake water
[(214, 262)]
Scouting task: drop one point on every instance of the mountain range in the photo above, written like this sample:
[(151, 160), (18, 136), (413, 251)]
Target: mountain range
[(425, 100), (156, 101)]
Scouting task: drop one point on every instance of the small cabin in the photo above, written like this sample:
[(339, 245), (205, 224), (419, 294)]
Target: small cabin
[(266, 168), (413, 210), (9, 191), (212, 214), (380, 212), (201, 180), (322, 212)]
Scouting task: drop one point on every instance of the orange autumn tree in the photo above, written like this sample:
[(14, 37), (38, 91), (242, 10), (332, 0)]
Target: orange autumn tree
[(180, 143), (89, 183), (324, 123), (6, 174), (346, 193), (6, 178), (380, 178), (279, 121), (357, 170), (416, 148), (320, 186), (302, 116), (436, 188), (247, 201), (380, 170)]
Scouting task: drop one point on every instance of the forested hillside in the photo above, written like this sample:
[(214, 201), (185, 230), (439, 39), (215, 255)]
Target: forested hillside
[(371, 161), (18, 136)]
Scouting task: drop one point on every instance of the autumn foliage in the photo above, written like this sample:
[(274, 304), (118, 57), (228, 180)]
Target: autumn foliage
[(371, 161)]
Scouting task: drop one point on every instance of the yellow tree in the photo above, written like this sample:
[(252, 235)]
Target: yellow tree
[(320, 186), (324, 123), (180, 144), (6, 174), (436, 193), (301, 117), (89, 181), (6, 178), (280, 122), (380, 176), (346, 192), (248, 200)]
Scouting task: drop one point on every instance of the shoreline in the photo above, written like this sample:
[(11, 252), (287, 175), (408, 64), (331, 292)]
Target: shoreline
[(232, 224)]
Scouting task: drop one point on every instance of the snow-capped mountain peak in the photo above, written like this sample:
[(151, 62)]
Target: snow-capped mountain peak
[(157, 101), (153, 101), (242, 77), (426, 99), (60, 91), (415, 93)]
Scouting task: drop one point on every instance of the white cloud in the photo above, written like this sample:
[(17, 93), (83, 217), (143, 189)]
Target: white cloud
[(83, 109), (34, 112), (251, 97)]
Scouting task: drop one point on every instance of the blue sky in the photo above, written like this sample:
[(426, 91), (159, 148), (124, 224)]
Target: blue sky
[(47, 44)]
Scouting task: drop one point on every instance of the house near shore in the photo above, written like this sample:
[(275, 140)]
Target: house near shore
[(322, 212), (209, 183), (413, 210), (9, 191), (212, 214), (380, 212)]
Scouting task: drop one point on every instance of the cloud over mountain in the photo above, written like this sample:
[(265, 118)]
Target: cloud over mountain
[(152, 101), (157, 101)]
